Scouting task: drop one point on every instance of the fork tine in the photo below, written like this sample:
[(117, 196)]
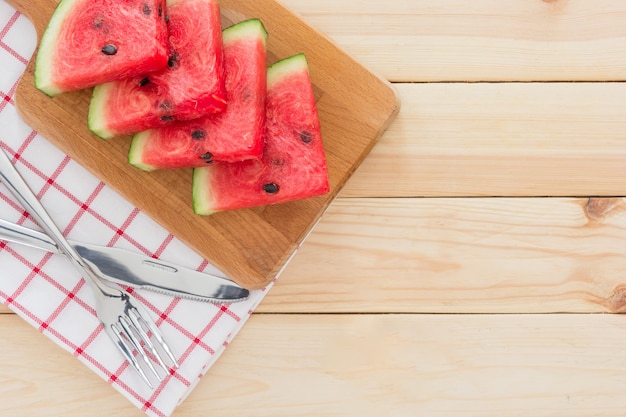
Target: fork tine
[(135, 318), (129, 330), (114, 333), (143, 324)]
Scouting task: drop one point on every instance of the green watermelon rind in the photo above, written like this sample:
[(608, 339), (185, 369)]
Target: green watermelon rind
[(285, 67), (95, 118), (45, 53), (246, 28), (136, 151), (250, 28), (203, 199)]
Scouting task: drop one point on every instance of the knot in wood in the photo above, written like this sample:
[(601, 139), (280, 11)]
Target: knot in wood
[(597, 209)]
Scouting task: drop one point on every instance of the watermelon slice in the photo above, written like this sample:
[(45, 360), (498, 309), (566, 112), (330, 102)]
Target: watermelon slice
[(233, 135), (293, 165), (89, 42), (190, 86)]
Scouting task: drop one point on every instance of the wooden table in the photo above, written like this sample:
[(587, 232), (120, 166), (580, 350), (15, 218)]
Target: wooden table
[(459, 271)]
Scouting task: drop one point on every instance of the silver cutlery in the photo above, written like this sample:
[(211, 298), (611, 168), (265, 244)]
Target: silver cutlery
[(135, 270), (126, 322)]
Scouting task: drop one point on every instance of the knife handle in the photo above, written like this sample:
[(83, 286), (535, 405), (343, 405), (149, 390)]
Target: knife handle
[(25, 236)]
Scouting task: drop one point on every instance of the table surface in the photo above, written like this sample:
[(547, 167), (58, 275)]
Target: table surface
[(459, 271)]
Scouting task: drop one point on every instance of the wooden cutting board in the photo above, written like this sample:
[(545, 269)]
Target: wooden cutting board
[(250, 246)]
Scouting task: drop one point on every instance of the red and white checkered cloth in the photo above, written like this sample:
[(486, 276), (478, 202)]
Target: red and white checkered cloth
[(48, 293)]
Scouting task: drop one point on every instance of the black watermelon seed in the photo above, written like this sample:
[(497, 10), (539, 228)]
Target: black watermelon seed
[(166, 105), (146, 9), (167, 118), (160, 10), (167, 18), (173, 60), (109, 49), (198, 134), (144, 82), (208, 156), (270, 188), (306, 137)]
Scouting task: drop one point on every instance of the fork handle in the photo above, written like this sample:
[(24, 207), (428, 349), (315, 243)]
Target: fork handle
[(27, 198)]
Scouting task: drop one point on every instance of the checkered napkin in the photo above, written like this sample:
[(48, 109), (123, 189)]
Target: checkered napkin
[(46, 291)]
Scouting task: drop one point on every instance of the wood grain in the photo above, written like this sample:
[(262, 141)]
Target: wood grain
[(460, 255), (481, 40), (365, 365), (478, 40), (250, 246), (500, 139)]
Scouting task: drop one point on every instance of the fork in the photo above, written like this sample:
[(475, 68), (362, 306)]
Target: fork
[(126, 322)]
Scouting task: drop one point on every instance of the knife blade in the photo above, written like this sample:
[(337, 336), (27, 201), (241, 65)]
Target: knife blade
[(135, 270)]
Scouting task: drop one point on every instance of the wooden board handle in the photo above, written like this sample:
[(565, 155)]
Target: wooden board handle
[(251, 246)]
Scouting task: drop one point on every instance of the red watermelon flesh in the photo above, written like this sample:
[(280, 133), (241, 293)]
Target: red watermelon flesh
[(233, 135), (90, 42), (293, 165), (190, 86)]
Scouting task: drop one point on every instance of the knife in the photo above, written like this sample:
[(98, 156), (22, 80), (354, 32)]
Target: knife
[(135, 270)]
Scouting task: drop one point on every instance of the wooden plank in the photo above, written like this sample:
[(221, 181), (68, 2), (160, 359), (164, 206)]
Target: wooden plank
[(359, 365), (480, 40), (504, 365), (460, 255), (250, 246), (502, 139), (4, 309)]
